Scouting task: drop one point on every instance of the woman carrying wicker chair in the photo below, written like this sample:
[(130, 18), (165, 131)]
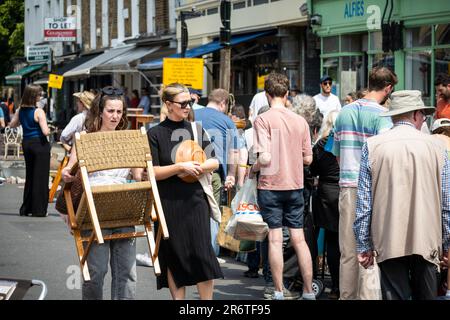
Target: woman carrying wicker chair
[(187, 257), (108, 113)]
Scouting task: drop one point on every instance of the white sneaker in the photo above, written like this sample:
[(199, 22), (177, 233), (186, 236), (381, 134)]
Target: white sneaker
[(221, 260), (144, 260)]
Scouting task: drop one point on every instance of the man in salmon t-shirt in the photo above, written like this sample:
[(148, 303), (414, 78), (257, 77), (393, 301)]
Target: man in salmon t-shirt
[(283, 146), (442, 84)]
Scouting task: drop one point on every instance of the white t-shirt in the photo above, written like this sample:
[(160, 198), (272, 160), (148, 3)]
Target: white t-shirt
[(326, 104)]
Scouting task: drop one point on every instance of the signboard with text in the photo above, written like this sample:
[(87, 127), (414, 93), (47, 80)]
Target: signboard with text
[(55, 81), (38, 53), (188, 71), (60, 29)]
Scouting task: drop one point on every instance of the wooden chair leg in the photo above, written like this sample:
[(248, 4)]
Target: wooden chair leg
[(80, 250), (57, 179), (153, 249)]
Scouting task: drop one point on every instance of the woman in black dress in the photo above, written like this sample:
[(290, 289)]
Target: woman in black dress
[(187, 257)]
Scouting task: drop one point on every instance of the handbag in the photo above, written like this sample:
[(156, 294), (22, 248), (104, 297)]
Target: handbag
[(76, 190), (247, 222), (206, 183)]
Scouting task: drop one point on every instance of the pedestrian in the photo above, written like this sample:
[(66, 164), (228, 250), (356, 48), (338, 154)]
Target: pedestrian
[(76, 124), (108, 113), (224, 136), (325, 100), (145, 102), (403, 204), (134, 99), (283, 144), (350, 97), (187, 257), (2, 119), (195, 96), (355, 123), (5, 110), (442, 84), (326, 200), (259, 100), (36, 150)]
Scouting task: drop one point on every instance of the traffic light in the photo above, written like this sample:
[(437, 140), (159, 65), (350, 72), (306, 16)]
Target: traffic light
[(225, 31)]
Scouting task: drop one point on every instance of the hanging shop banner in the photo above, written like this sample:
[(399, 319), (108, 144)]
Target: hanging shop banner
[(188, 71), (55, 81), (38, 53), (60, 29)]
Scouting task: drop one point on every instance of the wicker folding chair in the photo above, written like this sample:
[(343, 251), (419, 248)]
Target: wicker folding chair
[(116, 205)]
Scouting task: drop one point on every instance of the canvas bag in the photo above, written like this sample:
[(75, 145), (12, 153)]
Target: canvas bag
[(206, 182), (246, 223)]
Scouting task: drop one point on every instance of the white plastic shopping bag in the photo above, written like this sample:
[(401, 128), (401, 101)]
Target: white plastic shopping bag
[(246, 223)]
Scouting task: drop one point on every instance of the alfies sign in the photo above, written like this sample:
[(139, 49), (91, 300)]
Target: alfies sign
[(60, 29)]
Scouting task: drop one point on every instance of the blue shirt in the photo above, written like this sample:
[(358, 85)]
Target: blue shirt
[(361, 226), (222, 132)]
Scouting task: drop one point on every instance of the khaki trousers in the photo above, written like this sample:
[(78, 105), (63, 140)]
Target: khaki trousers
[(355, 282)]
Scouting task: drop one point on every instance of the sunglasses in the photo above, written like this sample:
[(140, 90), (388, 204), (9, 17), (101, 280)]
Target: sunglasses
[(112, 91), (327, 83), (183, 104)]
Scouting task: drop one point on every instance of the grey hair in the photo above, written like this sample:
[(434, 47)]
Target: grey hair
[(305, 106)]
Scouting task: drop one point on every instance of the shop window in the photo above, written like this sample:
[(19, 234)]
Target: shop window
[(418, 37), (442, 61), (376, 41), (352, 75), (258, 2), (442, 34), (212, 11), (238, 5), (418, 73), (383, 60), (330, 44), (351, 43)]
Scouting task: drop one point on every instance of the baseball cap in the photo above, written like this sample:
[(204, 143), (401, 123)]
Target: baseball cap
[(439, 123), (195, 91), (325, 78), (85, 97)]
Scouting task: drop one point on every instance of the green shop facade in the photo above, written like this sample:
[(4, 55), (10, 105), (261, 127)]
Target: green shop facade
[(417, 47)]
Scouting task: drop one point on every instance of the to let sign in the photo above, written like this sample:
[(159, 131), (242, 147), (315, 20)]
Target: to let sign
[(55, 81), (60, 29), (188, 71), (38, 53)]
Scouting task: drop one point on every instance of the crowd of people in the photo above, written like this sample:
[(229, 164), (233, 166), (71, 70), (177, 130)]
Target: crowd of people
[(363, 184)]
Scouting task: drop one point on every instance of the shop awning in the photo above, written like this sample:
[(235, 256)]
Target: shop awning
[(126, 61), (16, 77), (41, 81), (68, 65), (85, 68), (205, 49)]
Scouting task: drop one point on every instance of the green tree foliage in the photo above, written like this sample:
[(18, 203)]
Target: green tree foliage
[(11, 34)]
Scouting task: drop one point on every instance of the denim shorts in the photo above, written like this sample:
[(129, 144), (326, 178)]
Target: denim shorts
[(282, 208)]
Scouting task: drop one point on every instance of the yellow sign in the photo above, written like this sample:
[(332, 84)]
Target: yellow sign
[(260, 81), (187, 71), (55, 81)]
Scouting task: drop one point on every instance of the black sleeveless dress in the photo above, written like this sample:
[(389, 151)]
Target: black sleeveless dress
[(188, 252)]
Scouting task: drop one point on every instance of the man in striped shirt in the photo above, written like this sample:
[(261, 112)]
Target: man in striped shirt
[(355, 123)]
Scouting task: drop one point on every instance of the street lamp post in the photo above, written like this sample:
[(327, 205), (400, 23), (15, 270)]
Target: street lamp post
[(184, 29)]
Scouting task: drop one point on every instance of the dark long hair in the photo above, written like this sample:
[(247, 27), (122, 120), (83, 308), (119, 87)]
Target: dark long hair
[(94, 120), (30, 95)]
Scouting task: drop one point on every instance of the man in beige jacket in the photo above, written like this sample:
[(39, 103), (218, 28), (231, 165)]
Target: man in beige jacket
[(403, 202)]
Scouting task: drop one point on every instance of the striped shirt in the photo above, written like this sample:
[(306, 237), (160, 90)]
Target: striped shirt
[(361, 226), (356, 122)]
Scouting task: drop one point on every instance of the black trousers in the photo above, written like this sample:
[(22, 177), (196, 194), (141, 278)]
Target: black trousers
[(333, 256), (37, 162), (410, 277)]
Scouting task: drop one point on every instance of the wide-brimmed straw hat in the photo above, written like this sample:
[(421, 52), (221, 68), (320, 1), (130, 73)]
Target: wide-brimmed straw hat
[(85, 97), (404, 101)]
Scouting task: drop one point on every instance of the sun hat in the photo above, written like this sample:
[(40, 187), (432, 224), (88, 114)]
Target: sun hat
[(85, 97), (404, 101), (439, 123)]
